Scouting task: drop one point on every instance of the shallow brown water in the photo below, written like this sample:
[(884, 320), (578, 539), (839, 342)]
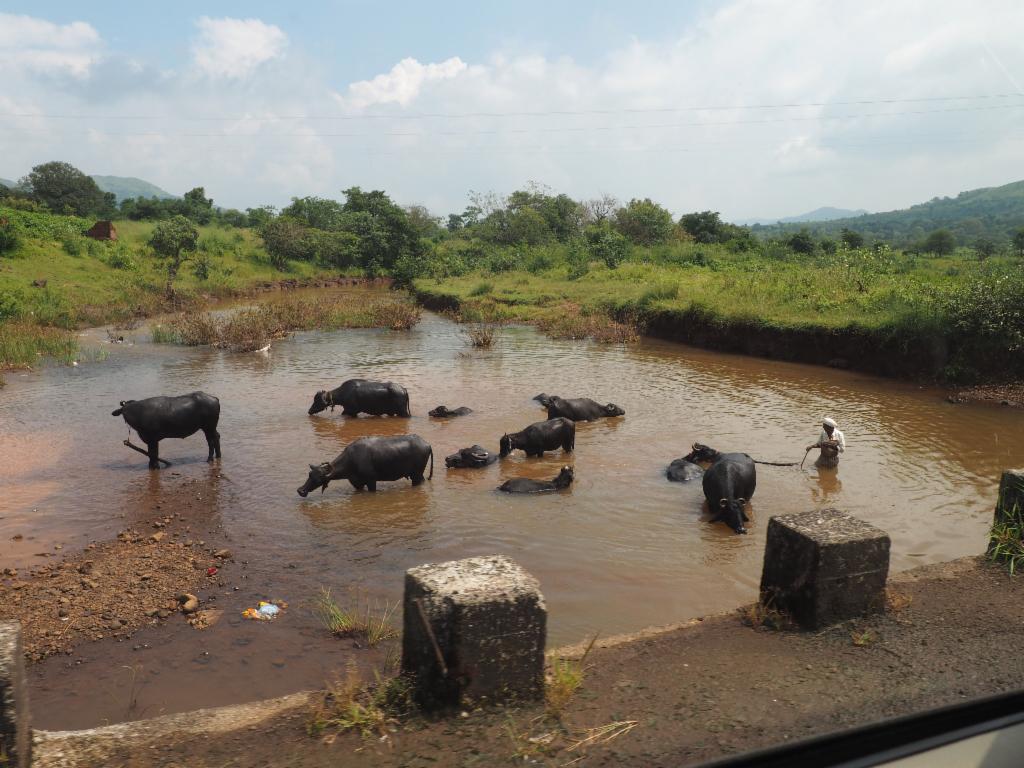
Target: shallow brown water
[(622, 549)]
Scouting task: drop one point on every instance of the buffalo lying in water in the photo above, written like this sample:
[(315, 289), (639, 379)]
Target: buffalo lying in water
[(581, 409), (473, 457), (683, 471), (355, 396), (526, 485), (444, 412), (156, 418), (539, 437), (728, 484), (368, 460)]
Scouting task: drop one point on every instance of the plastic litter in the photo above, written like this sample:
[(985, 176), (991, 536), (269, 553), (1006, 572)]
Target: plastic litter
[(265, 610), (212, 570)]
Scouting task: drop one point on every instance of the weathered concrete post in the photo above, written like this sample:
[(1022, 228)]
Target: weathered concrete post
[(15, 733), (824, 567), (475, 630)]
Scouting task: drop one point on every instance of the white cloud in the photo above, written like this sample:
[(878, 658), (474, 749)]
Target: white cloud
[(234, 48), (402, 84), (41, 46)]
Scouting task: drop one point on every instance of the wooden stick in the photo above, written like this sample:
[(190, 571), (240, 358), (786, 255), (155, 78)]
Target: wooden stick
[(430, 634), (805, 456), (165, 462)]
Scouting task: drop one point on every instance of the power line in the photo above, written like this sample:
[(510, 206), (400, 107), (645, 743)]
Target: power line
[(550, 129), (540, 113)]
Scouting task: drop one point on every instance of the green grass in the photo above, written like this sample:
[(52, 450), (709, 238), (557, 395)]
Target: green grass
[(357, 617), (1006, 538), (58, 279)]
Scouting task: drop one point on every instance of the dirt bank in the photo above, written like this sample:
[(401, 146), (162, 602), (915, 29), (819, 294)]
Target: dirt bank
[(917, 354), (113, 588), (686, 695), (995, 394)]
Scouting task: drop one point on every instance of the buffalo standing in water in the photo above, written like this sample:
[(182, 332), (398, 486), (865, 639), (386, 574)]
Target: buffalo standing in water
[(369, 459), (581, 409), (526, 485), (156, 418), (539, 437), (473, 457), (355, 396), (728, 484)]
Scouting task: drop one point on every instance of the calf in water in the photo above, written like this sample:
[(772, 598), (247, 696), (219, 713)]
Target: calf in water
[(443, 411), (526, 485)]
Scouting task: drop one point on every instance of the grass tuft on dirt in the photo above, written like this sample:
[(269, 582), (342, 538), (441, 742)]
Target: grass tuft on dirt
[(357, 617), (370, 709)]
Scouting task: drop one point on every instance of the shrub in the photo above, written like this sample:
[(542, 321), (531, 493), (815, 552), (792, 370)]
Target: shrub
[(502, 261), (201, 265), (10, 237), (482, 289), (606, 245), (72, 245), (12, 305), (120, 257)]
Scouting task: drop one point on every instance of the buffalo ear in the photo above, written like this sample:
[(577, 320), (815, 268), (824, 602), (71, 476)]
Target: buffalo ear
[(118, 412), (723, 503), (314, 468), (695, 446)]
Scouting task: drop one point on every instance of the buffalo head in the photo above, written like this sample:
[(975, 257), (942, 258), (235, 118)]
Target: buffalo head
[(120, 410), (733, 513), (565, 477), (321, 400), (613, 410), (319, 477), (504, 446), (701, 452), (475, 456)]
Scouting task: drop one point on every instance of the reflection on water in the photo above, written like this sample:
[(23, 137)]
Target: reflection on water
[(621, 550)]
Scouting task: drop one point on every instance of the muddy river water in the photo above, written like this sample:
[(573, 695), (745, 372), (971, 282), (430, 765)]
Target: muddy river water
[(621, 550)]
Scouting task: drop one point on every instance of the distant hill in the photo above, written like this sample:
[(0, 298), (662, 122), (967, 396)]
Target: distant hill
[(993, 212), (7, 183), (826, 213), (125, 187)]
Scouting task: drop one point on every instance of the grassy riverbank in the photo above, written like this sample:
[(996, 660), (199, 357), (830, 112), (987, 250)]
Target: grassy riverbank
[(877, 310), (58, 280)]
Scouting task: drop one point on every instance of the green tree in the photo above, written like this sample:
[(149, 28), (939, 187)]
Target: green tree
[(195, 205), (317, 212), (257, 217), (940, 242), (801, 242), (644, 222), (1018, 241), (703, 227), (985, 247), (606, 244), (64, 189), (172, 241), (286, 239), (851, 239), (424, 223), (382, 226)]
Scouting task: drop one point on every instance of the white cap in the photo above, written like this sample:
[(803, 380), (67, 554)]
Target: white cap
[(827, 422)]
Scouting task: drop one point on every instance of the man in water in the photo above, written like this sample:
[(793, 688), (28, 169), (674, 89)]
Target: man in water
[(831, 442)]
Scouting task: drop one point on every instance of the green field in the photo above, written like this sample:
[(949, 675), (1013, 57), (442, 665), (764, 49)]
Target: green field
[(59, 280)]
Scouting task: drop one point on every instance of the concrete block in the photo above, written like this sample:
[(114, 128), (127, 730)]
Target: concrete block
[(487, 623), (15, 727), (824, 567)]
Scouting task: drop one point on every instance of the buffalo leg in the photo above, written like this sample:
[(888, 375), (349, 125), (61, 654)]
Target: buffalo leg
[(356, 484), (371, 485), (417, 479), (212, 442), (154, 454)]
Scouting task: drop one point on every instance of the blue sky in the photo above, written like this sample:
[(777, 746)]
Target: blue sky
[(756, 108)]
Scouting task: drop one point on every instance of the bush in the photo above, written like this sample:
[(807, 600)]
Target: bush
[(482, 289), (201, 266), (120, 257), (72, 245), (12, 305), (502, 261), (606, 245), (10, 237)]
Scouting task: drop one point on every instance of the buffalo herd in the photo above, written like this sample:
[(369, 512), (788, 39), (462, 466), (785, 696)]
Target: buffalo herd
[(728, 479)]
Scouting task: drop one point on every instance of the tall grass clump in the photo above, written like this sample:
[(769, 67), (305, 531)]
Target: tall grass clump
[(482, 336), (564, 677), (24, 344), (482, 288), (357, 617), (1006, 537), (349, 704)]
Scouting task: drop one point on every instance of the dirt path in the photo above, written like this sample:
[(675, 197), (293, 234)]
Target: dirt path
[(712, 688)]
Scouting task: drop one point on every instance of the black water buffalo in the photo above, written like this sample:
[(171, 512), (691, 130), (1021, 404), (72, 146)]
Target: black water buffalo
[(443, 412), (526, 485), (355, 396), (728, 485), (539, 437), (581, 409), (369, 459), (156, 418), (473, 457), (683, 471)]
